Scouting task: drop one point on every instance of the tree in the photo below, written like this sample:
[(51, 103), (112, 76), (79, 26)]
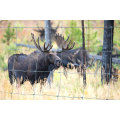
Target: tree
[(84, 57), (9, 34), (48, 41), (107, 51), (47, 32)]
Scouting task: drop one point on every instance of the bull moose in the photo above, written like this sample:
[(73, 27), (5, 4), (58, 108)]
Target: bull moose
[(35, 66), (74, 56)]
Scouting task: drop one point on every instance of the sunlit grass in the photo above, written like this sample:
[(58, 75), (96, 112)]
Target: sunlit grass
[(65, 88), (70, 88)]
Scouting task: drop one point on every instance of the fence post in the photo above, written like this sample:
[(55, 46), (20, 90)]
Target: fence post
[(84, 56), (107, 51), (48, 41)]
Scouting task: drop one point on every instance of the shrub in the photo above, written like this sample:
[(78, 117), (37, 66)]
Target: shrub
[(11, 49), (9, 34), (3, 65), (75, 33), (90, 36)]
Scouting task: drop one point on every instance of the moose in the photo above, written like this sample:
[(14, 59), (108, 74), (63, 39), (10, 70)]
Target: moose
[(73, 56), (35, 66)]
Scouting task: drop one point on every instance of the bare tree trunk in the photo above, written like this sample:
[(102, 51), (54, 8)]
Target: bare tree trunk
[(106, 69), (47, 32), (48, 41), (84, 56)]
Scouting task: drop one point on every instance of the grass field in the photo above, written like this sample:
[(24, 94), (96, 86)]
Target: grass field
[(62, 88), (70, 88)]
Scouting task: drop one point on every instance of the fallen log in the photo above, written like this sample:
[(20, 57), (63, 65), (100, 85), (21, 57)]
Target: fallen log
[(95, 57), (98, 57), (24, 45)]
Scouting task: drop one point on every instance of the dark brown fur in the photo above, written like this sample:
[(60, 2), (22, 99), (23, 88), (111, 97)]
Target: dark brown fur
[(32, 67)]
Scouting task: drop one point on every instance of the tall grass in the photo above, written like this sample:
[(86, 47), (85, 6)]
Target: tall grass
[(70, 88)]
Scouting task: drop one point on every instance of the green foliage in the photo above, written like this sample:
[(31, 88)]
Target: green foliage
[(90, 36), (116, 38), (92, 42), (11, 49), (117, 66), (3, 65), (9, 34), (74, 33), (116, 44)]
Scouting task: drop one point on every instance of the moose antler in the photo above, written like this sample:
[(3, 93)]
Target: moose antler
[(40, 30), (45, 49), (63, 43)]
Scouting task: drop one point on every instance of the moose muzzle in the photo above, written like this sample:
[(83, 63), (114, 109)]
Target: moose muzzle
[(57, 63)]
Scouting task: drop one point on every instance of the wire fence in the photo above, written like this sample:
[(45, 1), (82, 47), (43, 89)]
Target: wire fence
[(62, 88)]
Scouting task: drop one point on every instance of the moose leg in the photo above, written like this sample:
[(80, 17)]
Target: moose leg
[(11, 77), (34, 87), (19, 78), (18, 84), (44, 81), (40, 86)]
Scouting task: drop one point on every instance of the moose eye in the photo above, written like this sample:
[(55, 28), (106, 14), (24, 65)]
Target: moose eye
[(50, 56)]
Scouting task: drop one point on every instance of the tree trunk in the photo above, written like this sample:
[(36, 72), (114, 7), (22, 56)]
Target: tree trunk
[(47, 32), (107, 51), (84, 56), (48, 41)]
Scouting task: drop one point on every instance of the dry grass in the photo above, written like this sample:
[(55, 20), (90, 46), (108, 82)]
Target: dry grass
[(70, 88)]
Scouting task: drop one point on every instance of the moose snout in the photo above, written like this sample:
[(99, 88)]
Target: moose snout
[(58, 63)]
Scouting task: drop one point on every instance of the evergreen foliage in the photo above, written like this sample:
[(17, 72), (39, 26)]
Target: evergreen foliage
[(9, 34)]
